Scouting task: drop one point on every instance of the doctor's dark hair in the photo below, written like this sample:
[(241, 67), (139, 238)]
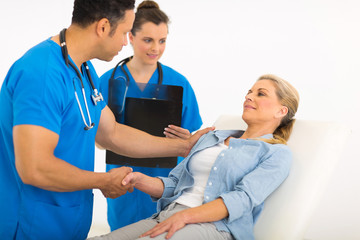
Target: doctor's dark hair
[(288, 97), (86, 12), (148, 11)]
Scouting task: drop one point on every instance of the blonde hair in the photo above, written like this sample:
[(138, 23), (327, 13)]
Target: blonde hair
[(288, 97)]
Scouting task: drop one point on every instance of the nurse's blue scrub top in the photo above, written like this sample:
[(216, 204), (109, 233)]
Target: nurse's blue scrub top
[(136, 206), (39, 90)]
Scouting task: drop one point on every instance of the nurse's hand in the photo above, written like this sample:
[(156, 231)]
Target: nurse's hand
[(115, 188), (173, 131)]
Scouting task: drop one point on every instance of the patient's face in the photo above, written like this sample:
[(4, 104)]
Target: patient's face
[(262, 104)]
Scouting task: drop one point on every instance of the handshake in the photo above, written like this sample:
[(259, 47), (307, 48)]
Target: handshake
[(118, 182)]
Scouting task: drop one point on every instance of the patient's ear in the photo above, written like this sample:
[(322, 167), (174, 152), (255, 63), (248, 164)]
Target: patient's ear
[(282, 112)]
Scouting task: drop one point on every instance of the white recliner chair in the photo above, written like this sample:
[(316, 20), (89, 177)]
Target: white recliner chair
[(316, 148)]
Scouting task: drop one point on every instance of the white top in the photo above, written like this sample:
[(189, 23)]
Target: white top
[(200, 167)]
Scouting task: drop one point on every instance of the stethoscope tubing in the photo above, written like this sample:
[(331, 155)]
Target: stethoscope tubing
[(127, 78), (96, 96), (81, 111)]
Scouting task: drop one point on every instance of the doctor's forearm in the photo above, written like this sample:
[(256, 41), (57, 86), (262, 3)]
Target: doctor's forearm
[(61, 176), (36, 164), (131, 142), (135, 143)]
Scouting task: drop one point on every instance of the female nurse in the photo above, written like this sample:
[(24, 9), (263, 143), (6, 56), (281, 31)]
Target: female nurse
[(148, 39)]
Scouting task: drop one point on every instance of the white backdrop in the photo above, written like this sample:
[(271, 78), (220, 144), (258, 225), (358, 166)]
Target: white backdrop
[(222, 47)]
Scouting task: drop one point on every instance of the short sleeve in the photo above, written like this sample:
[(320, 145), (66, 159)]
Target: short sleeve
[(191, 118), (39, 98)]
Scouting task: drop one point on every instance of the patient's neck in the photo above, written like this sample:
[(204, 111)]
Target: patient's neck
[(255, 131)]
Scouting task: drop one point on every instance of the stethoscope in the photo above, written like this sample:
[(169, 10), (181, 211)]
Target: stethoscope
[(127, 78), (96, 96)]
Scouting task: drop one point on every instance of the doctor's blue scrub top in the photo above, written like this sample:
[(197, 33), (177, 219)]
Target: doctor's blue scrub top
[(136, 206), (39, 90)]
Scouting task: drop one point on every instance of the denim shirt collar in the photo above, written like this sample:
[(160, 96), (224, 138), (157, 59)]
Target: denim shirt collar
[(223, 134)]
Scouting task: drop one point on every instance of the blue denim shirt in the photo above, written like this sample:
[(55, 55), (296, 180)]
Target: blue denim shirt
[(243, 175)]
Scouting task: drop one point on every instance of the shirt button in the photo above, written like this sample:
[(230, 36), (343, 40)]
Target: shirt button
[(215, 168), (230, 147), (222, 155), (207, 197), (210, 183)]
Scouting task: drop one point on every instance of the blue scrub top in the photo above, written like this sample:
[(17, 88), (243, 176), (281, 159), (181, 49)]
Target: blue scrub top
[(39, 90), (136, 206)]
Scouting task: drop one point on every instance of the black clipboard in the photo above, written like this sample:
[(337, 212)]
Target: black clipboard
[(151, 115)]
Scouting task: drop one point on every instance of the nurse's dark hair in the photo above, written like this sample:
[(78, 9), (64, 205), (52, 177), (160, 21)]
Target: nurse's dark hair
[(148, 11), (288, 97), (86, 12)]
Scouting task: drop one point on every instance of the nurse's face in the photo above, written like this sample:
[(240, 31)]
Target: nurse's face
[(262, 104), (113, 44), (149, 42)]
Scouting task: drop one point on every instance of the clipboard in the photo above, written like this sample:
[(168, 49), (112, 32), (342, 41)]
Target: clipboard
[(151, 115)]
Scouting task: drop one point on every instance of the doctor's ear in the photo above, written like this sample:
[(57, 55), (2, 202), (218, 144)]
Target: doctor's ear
[(103, 27)]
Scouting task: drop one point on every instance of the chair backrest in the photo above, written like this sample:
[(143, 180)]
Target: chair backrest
[(316, 148)]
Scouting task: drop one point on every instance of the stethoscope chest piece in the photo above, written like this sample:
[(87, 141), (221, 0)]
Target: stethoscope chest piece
[(96, 97)]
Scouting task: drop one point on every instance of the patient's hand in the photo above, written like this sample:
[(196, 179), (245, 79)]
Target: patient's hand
[(114, 188), (130, 179), (173, 131), (170, 225), (150, 185)]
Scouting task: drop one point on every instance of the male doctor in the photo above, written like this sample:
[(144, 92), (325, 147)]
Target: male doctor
[(49, 124)]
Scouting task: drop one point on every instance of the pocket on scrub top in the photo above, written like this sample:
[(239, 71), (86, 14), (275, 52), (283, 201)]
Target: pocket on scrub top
[(39, 220)]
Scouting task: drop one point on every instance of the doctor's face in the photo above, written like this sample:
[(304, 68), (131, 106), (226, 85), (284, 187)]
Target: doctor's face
[(149, 42), (113, 43), (262, 104)]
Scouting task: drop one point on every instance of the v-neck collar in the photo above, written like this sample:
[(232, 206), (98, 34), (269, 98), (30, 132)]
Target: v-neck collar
[(134, 84)]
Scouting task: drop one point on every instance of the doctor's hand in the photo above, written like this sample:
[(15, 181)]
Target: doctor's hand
[(173, 131), (194, 138), (115, 188)]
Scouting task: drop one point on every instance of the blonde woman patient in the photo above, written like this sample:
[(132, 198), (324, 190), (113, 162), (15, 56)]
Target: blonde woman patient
[(218, 191)]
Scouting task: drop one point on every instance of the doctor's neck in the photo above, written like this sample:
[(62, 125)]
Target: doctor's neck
[(79, 43)]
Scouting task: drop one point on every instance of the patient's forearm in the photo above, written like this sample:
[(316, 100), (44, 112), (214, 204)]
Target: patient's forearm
[(149, 185), (209, 212)]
